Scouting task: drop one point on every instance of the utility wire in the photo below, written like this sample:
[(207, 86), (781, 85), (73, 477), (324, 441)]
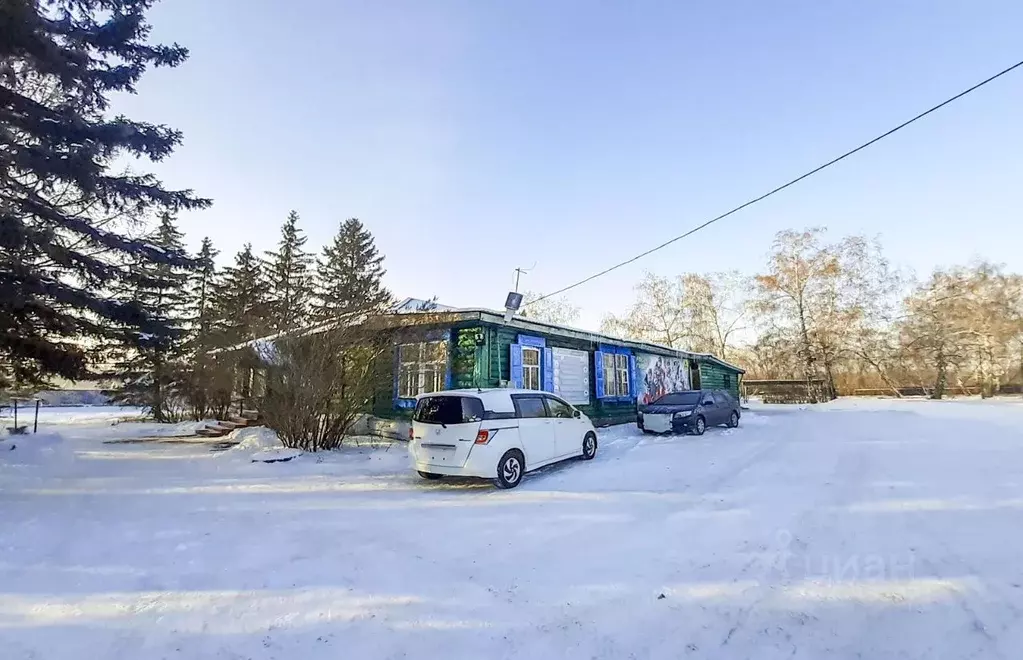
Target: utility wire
[(781, 187)]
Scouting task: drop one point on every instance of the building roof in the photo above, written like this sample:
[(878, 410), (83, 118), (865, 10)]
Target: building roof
[(409, 309), (411, 305)]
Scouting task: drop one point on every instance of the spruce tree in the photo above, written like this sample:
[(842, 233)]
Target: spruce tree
[(63, 208), (201, 285), (242, 308), (151, 364), (349, 275), (241, 301), (288, 278), (206, 385)]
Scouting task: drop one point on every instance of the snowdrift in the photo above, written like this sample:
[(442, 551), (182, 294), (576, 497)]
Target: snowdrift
[(258, 444), (34, 449)]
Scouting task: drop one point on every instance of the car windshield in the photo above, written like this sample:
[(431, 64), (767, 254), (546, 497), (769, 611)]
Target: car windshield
[(678, 399), (448, 410)]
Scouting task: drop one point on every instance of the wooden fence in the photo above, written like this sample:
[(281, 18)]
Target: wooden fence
[(951, 390), (801, 391), (787, 391)]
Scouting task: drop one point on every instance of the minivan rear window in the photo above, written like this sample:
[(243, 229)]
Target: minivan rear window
[(448, 410)]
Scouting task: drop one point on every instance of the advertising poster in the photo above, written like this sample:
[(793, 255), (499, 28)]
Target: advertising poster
[(659, 375)]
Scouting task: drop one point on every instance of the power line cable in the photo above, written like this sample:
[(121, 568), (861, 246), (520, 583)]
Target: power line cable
[(781, 187)]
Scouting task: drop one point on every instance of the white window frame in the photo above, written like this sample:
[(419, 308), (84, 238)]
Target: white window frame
[(532, 375), (622, 369), (616, 375), (417, 375)]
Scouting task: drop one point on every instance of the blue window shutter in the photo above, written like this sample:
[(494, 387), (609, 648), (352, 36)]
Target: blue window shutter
[(598, 373), (548, 370), (633, 385), (515, 360)]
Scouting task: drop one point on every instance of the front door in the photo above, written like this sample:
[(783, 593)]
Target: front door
[(567, 429), (536, 430)]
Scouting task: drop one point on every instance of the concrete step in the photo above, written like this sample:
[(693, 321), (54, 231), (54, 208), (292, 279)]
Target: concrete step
[(211, 432)]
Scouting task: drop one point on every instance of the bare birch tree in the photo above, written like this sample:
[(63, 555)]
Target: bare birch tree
[(549, 310), (797, 294), (716, 306), (659, 314), (870, 304), (933, 328)]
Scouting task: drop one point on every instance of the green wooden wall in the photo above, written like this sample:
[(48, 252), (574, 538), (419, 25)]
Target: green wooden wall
[(714, 376), (494, 367), (487, 365)]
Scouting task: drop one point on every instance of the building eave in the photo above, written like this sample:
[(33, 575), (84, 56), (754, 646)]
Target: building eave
[(489, 316), (526, 324)]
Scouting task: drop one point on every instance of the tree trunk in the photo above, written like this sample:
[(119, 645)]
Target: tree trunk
[(157, 403), (941, 379), (986, 359), (885, 378), (832, 388), (807, 358)]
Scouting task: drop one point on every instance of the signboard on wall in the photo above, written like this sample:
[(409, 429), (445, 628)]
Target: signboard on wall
[(572, 375), (659, 375)]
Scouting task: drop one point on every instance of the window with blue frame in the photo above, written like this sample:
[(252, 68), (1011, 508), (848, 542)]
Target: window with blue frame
[(422, 368), (531, 364), (614, 373)]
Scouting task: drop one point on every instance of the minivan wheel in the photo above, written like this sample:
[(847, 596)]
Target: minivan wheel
[(733, 421), (510, 469), (429, 475), (700, 426), (589, 447)]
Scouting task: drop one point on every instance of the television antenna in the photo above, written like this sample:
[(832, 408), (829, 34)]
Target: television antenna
[(522, 271)]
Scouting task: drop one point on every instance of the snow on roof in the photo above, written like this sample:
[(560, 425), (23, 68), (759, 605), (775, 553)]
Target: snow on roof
[(412, 306), (594, 336)]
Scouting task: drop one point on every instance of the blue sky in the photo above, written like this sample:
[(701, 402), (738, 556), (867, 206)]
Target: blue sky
[(472, 137)]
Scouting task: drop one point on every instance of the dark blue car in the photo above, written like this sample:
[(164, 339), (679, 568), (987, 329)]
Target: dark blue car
[(690, 411)]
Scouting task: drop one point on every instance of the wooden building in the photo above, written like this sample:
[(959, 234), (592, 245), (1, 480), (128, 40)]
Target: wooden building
[(603, 376)]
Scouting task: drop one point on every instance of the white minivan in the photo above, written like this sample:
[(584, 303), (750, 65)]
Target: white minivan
[(497, 434)]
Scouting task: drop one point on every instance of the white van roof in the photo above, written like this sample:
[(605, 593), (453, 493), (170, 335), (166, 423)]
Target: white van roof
[(495, 399)]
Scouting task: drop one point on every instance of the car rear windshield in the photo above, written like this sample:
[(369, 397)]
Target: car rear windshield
[(448, 410), (679, 399)]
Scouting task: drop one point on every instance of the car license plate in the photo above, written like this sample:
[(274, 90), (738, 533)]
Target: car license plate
[(657, 423)]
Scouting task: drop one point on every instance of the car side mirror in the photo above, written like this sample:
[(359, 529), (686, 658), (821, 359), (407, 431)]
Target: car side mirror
[(708, 402), (576, 414)]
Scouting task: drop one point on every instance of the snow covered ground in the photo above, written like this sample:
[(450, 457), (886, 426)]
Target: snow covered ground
[(68, 414), (859, 529)]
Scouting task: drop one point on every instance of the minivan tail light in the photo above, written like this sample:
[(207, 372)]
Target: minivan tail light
[(411, 431), (483, 437)]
